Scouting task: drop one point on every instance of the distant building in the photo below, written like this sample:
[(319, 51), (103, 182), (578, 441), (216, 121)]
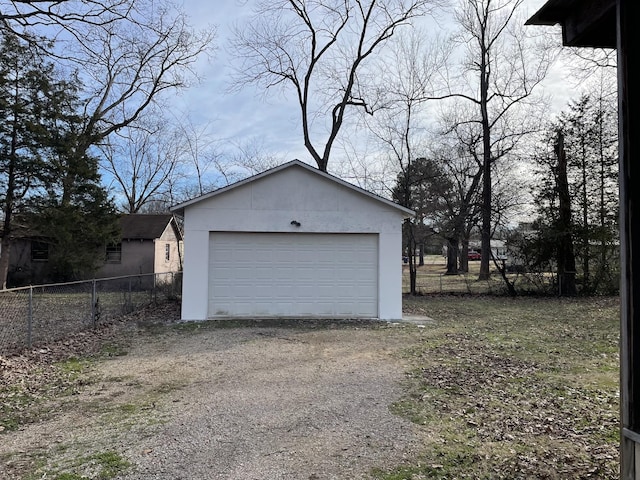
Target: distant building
[(149, 244)]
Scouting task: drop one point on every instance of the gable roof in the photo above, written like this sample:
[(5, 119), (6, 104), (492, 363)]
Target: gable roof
[(292, 164), (141, 226)]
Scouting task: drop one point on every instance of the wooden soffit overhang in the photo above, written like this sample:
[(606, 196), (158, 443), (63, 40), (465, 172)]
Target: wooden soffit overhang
[(585, 23)]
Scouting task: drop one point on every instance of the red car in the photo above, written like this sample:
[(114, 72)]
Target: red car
[(473, 255)]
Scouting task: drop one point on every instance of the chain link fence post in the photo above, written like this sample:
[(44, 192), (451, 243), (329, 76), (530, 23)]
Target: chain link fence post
[(30, 318), (94, 306), (129, 303)]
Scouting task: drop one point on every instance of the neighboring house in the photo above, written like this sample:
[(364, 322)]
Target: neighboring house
[(498, 248), (150, 244), (292, 242), (28, 258)]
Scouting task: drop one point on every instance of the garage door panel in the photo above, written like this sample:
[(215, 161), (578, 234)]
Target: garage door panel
[(275, 274)]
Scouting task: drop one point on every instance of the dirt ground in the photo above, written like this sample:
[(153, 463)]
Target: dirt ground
[(259, 402)]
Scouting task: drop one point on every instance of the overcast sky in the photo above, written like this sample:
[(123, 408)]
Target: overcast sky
[(274, 120), (241, 115)]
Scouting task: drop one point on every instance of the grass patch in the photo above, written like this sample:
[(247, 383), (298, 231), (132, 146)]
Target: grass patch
[(33, 389), (27, 397), (296, 323), (14, 408), (523, 388), (98, 466), (113, 350), (168, 387)]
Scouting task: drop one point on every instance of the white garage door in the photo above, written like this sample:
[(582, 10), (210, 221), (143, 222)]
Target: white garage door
[(293, 274)]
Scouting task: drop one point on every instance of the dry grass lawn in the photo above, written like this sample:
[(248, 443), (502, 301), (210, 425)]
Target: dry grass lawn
[(523, 388)]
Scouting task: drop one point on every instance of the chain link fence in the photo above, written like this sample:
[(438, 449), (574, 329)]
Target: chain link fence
[(431, 278), (468, 283), (44, 313)]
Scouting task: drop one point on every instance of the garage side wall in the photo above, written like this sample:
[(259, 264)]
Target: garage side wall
[(278, 203)]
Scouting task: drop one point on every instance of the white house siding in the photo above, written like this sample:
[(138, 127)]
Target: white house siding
[(161, 264), (270, 204)]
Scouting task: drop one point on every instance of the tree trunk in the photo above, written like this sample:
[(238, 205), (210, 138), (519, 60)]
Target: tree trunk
[(5, 244), (7, 223), (411, 254), (565, 255), (464, 255), (452, 256), (485, 232), (5, 250), (586, 235), (502, 269), (413, 275)]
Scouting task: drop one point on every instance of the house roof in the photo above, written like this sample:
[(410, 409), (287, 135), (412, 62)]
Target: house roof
[(292, 164), (585, 23), (139, 226)]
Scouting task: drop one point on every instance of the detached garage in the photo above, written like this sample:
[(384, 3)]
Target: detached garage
[(292, 242)]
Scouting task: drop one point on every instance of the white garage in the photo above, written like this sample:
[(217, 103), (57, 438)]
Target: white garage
[(292, 242)]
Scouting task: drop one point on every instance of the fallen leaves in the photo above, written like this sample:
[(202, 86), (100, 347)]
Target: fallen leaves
[(29, 379), (527, 389)]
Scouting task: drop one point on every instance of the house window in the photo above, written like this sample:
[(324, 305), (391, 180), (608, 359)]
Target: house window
[(39, 251), (167, 252), (114, 253)]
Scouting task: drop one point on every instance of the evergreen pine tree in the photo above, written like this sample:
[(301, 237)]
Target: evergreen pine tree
[(71, 207), (20, 163)]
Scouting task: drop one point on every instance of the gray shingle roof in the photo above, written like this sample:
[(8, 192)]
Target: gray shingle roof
[(144, 226)]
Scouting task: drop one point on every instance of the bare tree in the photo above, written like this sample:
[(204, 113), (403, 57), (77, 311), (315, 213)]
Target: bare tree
[(503, 64), (364, 166), (320, 48), (400, 128), (20, 16), (203, 161), (129, 65), (406, 75), (126, 54), (251, 156), (156, 162), (207, 162), (462, 156), (599, 62), (143, 160), (455, 211)]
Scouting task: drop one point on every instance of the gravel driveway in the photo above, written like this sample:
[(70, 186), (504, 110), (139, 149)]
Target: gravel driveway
[(244, 403)]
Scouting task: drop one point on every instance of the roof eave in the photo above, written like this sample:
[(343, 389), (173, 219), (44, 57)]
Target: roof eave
[(179, 209), (585, 23)]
